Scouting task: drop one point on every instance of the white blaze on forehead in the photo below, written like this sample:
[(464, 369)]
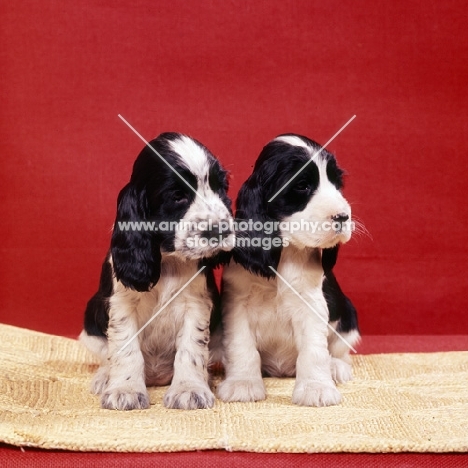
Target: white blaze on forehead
[(317, 157), (192, 154), (293, 141)]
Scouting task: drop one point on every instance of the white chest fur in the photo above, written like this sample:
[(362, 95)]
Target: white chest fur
[(272, 306)]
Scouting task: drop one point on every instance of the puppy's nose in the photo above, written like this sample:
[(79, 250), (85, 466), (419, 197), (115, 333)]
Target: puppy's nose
[(340, 217), (215, 231)]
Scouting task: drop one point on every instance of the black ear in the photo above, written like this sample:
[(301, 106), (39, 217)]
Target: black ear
[(136, 254), (329, 258), (256, 249), (339, 305)]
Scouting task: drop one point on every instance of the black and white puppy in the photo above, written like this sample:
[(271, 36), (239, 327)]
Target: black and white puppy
[(276, 288), (159, 242)]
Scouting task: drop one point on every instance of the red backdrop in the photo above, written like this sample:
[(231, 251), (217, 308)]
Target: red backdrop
[(235, 74)]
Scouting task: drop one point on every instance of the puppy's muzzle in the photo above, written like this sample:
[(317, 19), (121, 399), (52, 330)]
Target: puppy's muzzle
[(220, 237)]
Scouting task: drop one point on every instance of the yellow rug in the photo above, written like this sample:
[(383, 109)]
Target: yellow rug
[(396, 402)]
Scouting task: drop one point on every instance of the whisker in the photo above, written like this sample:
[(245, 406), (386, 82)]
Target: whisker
[(360, 229)]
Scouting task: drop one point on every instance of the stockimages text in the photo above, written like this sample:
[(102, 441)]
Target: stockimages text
[(249, 233)]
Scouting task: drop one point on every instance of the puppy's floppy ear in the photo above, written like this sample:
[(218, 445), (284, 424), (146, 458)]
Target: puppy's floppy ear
[(339, 305), (256, 250), (136, 254), (329, 258)]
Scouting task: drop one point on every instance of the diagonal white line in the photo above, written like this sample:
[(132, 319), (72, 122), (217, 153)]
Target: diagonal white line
[(312, 309), (313, 156), (159, 156), (161, 309)]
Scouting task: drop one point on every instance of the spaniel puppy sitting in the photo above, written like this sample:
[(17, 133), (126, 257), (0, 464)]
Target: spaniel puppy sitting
[(279, 292), (160, 240)]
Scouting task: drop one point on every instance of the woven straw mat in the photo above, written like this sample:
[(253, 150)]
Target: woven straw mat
[(396, 402)]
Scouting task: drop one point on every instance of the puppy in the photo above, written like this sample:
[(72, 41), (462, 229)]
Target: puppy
[(279, 292), (165, 231)]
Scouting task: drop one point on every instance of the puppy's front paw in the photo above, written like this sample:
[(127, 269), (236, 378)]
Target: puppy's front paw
[(241, 390), (125, 399), (314, 393), (100, 380), (341, 371), (188, 396)]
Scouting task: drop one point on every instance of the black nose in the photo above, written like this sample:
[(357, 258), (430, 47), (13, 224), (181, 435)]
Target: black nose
[(340, 217), (216, 232)]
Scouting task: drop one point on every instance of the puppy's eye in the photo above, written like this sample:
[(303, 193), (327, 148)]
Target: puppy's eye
[(303, 186), (179, 197)]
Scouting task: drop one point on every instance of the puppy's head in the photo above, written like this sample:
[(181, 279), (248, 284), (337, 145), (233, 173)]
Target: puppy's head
[(296, 188), (176, 203)]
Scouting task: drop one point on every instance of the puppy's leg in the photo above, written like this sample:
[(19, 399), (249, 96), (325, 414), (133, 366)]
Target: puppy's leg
[(242, 360), (314, 383), (98, 346), (340, 359), (341, 371), (189, 388), (126, 389)]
